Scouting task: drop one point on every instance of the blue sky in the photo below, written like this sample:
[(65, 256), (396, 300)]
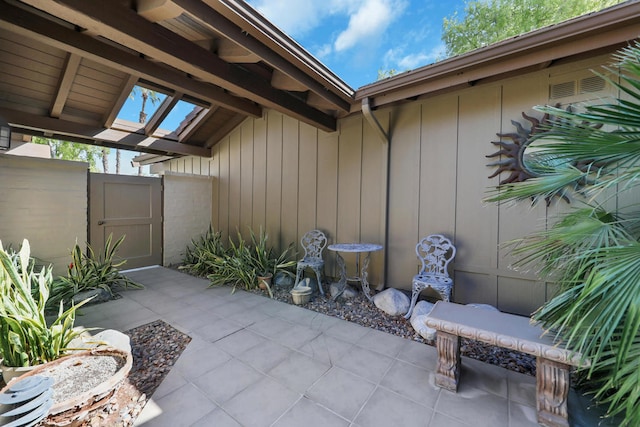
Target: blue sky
[(356, 38)]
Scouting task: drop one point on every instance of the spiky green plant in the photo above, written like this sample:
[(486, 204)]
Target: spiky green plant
[(593, 253), (25, 337), (88, 271)]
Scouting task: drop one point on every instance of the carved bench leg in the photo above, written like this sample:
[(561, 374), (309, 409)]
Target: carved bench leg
[(552, 391), (448, 370)]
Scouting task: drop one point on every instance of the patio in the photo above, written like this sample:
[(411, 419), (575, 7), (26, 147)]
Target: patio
[(254, 361)]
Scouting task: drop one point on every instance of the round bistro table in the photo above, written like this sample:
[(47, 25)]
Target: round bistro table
[(361, 274)]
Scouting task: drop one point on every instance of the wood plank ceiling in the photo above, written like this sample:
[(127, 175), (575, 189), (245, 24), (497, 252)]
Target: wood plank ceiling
[(68, 66)]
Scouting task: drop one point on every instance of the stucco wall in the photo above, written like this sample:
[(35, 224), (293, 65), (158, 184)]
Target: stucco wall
[(187, 213), (44, 201), (289, 177)]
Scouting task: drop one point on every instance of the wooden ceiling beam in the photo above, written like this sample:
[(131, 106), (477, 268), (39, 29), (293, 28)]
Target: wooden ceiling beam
[(126, 27), (125, 91), (222, 25), (71, 65), (196, 123), (71, 131), (161, 113), (233, 52), (30, 25)]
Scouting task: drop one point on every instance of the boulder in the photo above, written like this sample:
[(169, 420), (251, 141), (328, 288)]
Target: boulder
[(421, 307), (108, 337), (419, 324), (392, 301), (483, 306), (283, 280), (349, 291), (98, 295)]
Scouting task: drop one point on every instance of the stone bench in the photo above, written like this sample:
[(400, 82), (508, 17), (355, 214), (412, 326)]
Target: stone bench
[(553, 363)]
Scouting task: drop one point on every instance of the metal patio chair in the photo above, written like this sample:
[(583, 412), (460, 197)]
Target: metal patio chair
[(435, 252), (313, 243)]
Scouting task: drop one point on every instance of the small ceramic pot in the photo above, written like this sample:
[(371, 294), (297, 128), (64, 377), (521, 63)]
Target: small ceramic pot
[(301, 294)]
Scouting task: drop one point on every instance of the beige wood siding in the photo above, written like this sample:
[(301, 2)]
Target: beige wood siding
[(288, 177), (44, 201)]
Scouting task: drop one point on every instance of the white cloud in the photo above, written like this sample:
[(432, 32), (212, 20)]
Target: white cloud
[(399, 60), (370, 19), (296, 17)]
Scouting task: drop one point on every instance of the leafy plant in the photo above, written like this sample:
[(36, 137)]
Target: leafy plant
[(593, 253), (203, 252), (25, 337), (238, 265), (90, 271)]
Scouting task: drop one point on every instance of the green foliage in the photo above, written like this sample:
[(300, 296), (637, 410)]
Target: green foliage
[(25, 337), (75, 151), (240, 263), (383, 74), (90, 271), (487, 22), (593, 252)]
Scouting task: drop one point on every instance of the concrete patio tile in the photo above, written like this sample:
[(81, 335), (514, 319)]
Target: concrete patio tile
[(386, 408), (228, 309), (250, 300), (240, 341), (181, 289), (522, 388), (298, 372), (441, 420), (260, 404), (381, 342), (265, 356), (189, 320), (326, 349), (133, 320), (271, 327), (295, 314), (412, 382), (484, 376), (522, 415), (342, 392), (171, 382), (227, 380), (365, 363), (322, 322), (475, 407), (272, 307), (196, 361), (181, 408), (308, 414), (218, 418), (346, 331), (297, 336), (422, 355), (247, 317), (217, 329)]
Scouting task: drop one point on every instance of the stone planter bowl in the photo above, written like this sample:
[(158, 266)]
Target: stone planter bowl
[(81, 407), (301, 294)]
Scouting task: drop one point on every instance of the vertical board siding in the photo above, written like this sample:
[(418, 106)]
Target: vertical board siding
[(303, 178), (404, 188)]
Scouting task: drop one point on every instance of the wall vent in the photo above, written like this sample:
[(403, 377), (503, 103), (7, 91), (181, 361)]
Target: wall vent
[(591, 84), (562, 90)]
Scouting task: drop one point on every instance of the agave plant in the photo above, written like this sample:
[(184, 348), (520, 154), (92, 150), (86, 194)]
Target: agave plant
[(25, 337), (593, 253), (90, 271)]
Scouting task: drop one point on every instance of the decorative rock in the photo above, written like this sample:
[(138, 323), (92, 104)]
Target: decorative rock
[(100, 295), (422, 307), (110, 337), (392, 301), (483, 306), (419, 323), (283, 280), (349, 291)]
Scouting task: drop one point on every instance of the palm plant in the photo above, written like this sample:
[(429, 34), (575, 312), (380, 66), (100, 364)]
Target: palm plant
[(592, 253)]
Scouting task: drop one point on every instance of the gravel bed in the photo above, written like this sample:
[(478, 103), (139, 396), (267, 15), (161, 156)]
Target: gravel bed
[(363, 312)]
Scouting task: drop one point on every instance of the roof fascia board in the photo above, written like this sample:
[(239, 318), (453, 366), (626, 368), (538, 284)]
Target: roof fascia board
[(221, 24), (251, 21)]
